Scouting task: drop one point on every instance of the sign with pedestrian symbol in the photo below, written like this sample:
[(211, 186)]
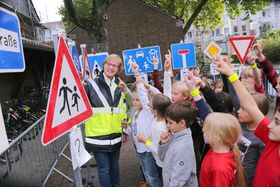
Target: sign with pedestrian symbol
[(183, 55), (96, 61), (11, 50), (68, 104), (212, 49), (144, 57)]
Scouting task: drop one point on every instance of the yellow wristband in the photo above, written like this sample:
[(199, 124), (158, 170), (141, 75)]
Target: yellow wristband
[(232, 78), (148, 142), (194, 92), (253, 66)]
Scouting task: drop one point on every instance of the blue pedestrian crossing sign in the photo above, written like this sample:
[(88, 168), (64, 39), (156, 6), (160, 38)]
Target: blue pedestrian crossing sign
[(75, 56), (144, 57), (11, 50), (96, 61), (183, 55)]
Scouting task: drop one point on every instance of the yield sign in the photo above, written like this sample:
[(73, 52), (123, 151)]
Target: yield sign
[(241, 46), (68, 104)]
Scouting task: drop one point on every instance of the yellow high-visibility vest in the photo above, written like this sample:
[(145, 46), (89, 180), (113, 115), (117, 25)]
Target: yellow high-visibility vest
[(105, 120)]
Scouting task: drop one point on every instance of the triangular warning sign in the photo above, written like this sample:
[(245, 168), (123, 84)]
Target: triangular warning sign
[(87, 71), (68, 104), (241, 46)]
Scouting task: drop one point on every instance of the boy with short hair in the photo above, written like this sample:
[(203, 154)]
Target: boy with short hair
[(176, 146)]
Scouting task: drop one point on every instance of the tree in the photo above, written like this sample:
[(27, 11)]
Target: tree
[(89, 15), (271, 44), (204, 14)]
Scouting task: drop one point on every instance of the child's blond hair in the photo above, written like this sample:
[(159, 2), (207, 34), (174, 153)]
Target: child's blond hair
[(181, 87), (224, 129), (248, 72)]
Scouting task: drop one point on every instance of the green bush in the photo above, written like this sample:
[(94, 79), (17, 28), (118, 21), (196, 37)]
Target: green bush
[(271, 44)]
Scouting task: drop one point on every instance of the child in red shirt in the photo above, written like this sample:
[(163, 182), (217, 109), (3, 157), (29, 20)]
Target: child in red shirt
[(268, 168), (222, 164)]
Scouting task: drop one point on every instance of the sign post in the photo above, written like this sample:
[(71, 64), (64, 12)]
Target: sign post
[(11, 50)]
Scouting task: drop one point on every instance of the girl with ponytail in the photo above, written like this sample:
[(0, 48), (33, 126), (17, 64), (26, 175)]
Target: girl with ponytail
[(222, 164)]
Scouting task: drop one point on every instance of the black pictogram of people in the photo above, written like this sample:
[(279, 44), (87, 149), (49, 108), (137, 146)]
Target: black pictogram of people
[(75, 96)]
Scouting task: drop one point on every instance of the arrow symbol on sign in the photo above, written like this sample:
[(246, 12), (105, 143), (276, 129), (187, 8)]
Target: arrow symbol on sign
[(183, 53)]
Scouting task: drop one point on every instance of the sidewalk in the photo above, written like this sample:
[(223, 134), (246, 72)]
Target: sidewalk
[(129, 169)]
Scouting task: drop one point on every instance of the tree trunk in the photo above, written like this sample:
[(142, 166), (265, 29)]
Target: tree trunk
[(194, 15)]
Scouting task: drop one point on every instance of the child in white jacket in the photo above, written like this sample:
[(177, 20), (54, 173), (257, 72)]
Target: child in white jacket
[(141, 124)]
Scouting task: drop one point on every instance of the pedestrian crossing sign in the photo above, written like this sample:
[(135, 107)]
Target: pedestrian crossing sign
[(68, 105)]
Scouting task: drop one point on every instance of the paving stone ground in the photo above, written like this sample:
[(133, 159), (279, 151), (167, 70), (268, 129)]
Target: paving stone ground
[(129, 170)]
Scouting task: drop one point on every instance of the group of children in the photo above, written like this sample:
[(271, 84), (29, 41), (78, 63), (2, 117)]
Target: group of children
[(189, 131)]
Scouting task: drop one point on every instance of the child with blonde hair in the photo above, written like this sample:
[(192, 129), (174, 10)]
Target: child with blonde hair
[(222, 164)]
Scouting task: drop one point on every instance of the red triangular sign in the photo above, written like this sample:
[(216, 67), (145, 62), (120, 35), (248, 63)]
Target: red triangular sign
[(241, 46), (87, 71), (68, 104)]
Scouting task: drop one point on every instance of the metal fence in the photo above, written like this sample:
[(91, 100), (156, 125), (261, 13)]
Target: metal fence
[(27, 162)]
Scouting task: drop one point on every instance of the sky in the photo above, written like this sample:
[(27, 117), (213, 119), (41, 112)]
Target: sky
[(47, 9)]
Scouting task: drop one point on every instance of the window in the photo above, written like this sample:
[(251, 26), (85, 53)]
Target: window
[(263, 13), (226, 31), (244, 30), (189, 34), (235, 31), (218, 32)]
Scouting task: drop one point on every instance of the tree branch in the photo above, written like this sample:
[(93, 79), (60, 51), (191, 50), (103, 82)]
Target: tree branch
[(72, 13), (194, 15)]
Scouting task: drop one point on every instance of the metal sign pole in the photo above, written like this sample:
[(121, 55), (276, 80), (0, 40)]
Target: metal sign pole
[(77, 172)]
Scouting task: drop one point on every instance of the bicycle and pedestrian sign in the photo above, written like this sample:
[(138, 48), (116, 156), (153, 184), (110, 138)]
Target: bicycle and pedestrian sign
[(11, 50), (68, 104), (144, 57)]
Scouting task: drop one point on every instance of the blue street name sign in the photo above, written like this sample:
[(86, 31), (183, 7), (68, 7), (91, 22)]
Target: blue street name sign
[(144, 57), (11, 51), (183, 55)]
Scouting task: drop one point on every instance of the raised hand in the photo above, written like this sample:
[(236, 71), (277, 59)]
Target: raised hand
[(156, 62), (251, 59), (135, 67), (164, 137), (122, 85), (190, 80), (168, 63), (222, 65), (258, 49)]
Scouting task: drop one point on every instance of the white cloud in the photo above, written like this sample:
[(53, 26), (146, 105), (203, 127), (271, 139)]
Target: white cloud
[(47, 10)]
